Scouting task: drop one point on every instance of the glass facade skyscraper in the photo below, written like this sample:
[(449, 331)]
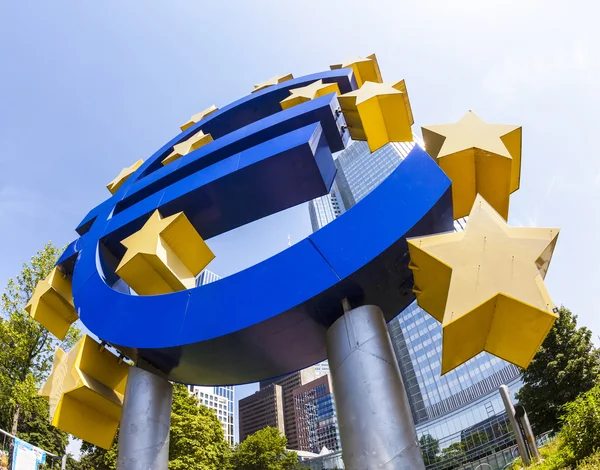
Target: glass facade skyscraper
[(441, 406), (359, 171), (316, 417), (325, 208)]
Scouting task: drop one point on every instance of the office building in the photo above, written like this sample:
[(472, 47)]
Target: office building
[(220, 399), (316, 418), (321, 369), (288, 383), (464, 397), (325, 208), (263, 408), (206, 277)]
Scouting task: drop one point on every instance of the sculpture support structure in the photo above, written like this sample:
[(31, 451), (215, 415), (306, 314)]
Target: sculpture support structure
[(144, 433), (510, 411), (375, 422)]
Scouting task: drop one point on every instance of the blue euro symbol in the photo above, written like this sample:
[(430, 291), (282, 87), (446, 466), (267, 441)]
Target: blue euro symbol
[(271, 318)]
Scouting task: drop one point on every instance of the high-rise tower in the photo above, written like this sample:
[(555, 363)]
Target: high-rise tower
[(288, 383)]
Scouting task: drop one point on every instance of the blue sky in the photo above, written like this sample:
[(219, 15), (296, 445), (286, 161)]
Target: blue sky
[(87, 88)]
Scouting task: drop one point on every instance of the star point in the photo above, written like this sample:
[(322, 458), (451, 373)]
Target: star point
[(309, 92), (366, 69), (52, 304), (479, 158), (275, 80), (123, 176), (196, 118), (199, 139), (85, 392), (378, 113), (485, 285), (164, 256)]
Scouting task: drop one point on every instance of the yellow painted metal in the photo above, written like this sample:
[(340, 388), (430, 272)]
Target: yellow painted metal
[(366, 69), (199, 139), (85, 392), (115, 184), (479, 158), (272, 81), (309, 92), (378, 113), (164, 256), (199, 116), (486, 286), (52, 304)]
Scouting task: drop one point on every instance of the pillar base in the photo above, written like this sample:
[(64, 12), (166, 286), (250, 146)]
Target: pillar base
[(374, 417)]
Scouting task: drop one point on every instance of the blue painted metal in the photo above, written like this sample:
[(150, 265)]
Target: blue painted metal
[(244, 112), (271, 318)]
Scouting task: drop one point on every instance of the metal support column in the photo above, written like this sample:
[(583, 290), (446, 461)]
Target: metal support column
[(375, 422), (523, 419), (510, 411), (144, 433)]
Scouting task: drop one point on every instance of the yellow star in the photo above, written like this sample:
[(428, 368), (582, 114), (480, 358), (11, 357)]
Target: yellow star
[(199, 116), (272, 81), (115, 184), (165, 255), (486, 287), (366, 69), (479, 158), (199, 139), (52, 304), (309, 92), (85, 392), (378, 113)]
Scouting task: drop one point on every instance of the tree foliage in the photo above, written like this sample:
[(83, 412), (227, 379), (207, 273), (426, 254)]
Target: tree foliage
[(452, 456), (581, 424), (264, 450), (577, 446), (96, 458), (197, 441), (26, 357), (35, 427), (430, 447), (566, 365)]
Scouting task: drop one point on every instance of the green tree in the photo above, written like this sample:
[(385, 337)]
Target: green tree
[(26, 356), (96, 458), (452, 456), (197, 441), (430, 447), (35, 427), (264, 450), (477, 444), (581, 424), (566, 365)]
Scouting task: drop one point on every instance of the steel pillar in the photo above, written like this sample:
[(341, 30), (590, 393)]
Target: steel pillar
[(523, 419), (510, 411), (375, 422), (144, 433)]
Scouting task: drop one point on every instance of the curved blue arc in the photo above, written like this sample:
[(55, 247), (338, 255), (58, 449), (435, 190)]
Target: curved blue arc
[(235, 116), (273, 316)]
